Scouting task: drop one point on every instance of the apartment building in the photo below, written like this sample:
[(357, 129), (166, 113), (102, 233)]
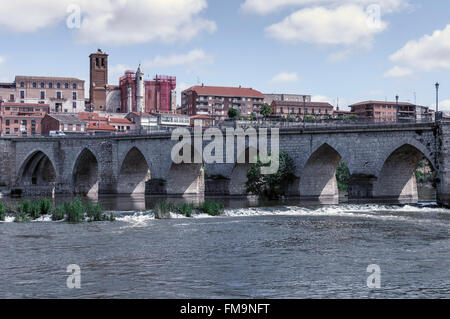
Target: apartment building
[(215, 101), (300, 109), (384, 111), (21, 119), (269, 98)]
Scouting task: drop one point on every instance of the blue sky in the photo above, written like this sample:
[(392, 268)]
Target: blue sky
[(327, 48)]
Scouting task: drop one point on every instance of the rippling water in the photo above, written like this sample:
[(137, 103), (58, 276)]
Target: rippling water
[(273, 252)]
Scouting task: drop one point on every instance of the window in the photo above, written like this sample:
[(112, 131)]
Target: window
[(66, 126), (97, 62), (74, 105), (16, 121), (7, 131), (42, 95), (22, 95), (74, 95), (58, 95), (22, 84), (34, 85), (58, 85), (7, 108), (50, 85), (74, 86), (7, 123), (33, 123), (42, 85), (66, 85), (11, 97), (24, 122), (103, 62)]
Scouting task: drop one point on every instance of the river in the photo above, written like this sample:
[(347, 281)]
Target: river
[(281, 250)]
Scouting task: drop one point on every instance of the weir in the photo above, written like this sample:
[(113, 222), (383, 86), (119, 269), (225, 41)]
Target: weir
[(381, 159)]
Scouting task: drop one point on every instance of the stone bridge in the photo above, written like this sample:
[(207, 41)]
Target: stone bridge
[(381, 159)]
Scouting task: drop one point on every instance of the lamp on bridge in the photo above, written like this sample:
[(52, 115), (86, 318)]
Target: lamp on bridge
[(437, 97), (304, 111)]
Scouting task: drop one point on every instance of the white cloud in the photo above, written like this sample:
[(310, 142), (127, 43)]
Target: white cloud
[(286, 77), (268, 6), (194, 57), (444, 105), (2, 59), (112, 22), (429, 53), (398, 71), (346, 25), (321, 98)]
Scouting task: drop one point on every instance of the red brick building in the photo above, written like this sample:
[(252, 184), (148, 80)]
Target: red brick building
[(22, 119), (384, 111), (215, 101)]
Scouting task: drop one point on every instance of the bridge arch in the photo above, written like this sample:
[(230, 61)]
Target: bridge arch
[(134, 173), (37, 170), (318, 177), (186, 178), (396, 180), (238, 179), (86, 173)]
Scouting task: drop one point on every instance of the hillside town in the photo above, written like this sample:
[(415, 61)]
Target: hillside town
[(57, 106)]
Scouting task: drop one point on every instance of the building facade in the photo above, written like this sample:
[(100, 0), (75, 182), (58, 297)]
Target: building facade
[(60, 93), (300, 109), (216, 101), (269, 98), (22, 119), (384, 111), (67, 123)]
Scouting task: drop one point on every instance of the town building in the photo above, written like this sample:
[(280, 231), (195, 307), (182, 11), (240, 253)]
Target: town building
[(21, 119), (202, 120), (384, 111), (341, 114), (67, 123), (217, 101), (60, 93), (300, 109), (269, 98), (173, 120), (425, 114), (143, 121)]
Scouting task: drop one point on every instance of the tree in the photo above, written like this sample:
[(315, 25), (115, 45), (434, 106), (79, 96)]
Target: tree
[(343, 176), (233, 113), (271, 186), (266, 110)]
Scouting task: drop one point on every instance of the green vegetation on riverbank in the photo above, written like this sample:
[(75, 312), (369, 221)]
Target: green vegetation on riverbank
[(163, 209), (73, 212)]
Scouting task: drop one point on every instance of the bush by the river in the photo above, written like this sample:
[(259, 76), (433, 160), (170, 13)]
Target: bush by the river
[(163, 209), (73, 212), (2, 212)]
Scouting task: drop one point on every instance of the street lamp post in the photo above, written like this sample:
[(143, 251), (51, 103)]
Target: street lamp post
[(304, 111), (396, 105), (437, 97)]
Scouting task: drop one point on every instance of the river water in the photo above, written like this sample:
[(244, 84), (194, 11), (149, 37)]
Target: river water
[(281, 250)]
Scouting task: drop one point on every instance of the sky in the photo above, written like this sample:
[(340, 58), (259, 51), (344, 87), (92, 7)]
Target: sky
[(334, 50)]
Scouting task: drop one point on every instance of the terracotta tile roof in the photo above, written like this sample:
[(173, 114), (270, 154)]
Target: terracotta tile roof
[(142, 114), (226, 91), (117, 120), (66, 118), (53, 78), (101, 127), (380, 103), (201, 117)]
